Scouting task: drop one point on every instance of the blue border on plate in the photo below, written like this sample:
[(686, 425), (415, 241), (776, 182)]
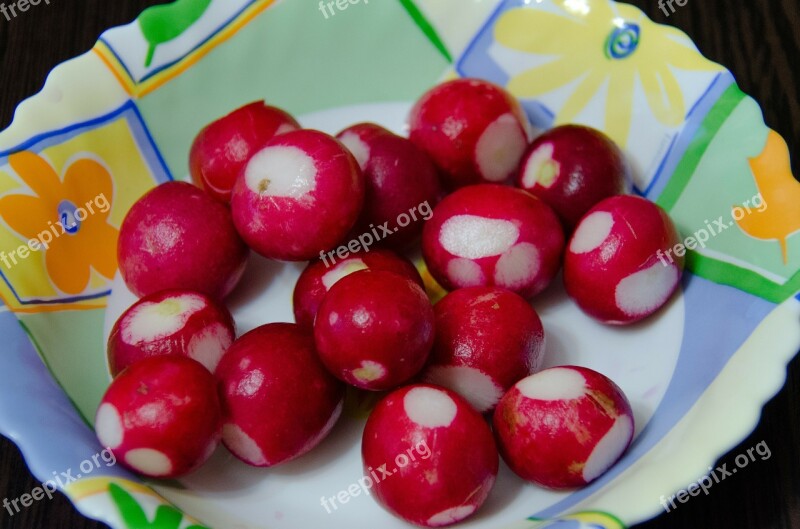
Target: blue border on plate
[(24, 376), (681, 142)]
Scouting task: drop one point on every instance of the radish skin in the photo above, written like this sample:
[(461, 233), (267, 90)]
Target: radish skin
[(616, 267), (563, 427), (177, 237), (298, 196), (222, 149), (474, 131), (278, 400), (493, 235), (402, 185), (161, 417), (572, 168), (374, 329), (171, 322), (318, 278), (455, 479), (487, 339)]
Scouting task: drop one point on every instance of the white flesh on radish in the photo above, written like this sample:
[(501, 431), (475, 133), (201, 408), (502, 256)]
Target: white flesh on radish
[(109, 426), (243, 445), (341, 270), (208, 346), (357, 146), (646, 290), (281, 171), (541, 168), (429, 407), (451, 515), (152, 321), (592, 232), (475, 385), (465, 273), (517, 267), (149, 461), (609, 448), (500, 148), (554, 384), (474, 237)]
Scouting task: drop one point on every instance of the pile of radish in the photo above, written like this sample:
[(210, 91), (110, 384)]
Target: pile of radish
[(463, 375)]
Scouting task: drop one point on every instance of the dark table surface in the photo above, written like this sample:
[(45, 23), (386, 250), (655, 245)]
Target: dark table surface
[(758, 40)]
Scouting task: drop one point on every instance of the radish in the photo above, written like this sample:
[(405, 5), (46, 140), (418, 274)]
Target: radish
[(493, 235), (563, 427), (453, 481), (401, 183), (572, 168), (614, 267), (221, 150), (278, 400), (161, 417), (171, 322), (487, 339), (374, 329), (177, 237), (473, 130), (298, 196), (317, 279)]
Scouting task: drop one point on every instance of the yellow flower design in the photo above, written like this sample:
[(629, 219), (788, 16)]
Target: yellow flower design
[(597, 43), (54, 213)]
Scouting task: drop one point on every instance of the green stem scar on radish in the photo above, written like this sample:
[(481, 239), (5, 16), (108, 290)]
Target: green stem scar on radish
[(541, 168), (164, 23)]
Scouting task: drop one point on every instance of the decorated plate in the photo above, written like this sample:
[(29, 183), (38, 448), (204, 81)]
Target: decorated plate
[(119, 120)]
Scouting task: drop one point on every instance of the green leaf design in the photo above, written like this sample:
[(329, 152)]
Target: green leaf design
[(163, 23), (133, 515), (427, 28)]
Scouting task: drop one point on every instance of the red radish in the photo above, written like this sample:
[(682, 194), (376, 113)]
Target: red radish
[(278, 400), (318, 278), (401, 182), (614, 267), (493, 235), (298, 196), (487, 339), (563, 427), (221, 150), (171, 322), (473, 130), (572, 168), (177, 237), (161, 417), (374, 329), (454, 480)]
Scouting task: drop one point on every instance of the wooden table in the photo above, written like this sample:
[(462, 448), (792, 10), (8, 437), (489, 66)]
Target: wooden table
[(758, 40)]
